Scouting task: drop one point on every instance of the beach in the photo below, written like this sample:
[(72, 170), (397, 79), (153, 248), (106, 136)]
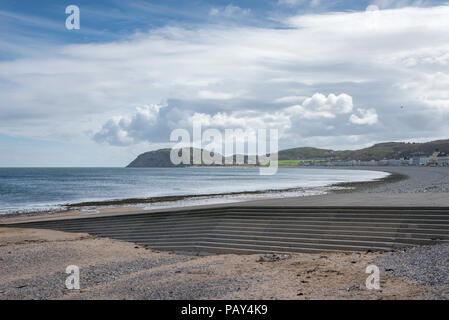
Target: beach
[(34, 260)]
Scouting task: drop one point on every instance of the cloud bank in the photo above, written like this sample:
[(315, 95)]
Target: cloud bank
[(332, 80), (147, 122)]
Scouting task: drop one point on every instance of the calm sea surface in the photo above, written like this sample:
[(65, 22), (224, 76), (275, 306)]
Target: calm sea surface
[(28, 189)]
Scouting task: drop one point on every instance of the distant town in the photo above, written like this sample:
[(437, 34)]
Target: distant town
[(437, 159)]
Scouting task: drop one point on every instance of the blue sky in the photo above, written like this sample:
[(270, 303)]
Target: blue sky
[(115, 20), (325, 73)]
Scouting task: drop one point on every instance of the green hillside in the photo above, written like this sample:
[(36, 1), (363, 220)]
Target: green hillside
[(161, 158), (290, 157), (157, 158), (388, 150)]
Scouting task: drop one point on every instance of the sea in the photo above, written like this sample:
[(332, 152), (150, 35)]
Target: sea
[(48, 189)]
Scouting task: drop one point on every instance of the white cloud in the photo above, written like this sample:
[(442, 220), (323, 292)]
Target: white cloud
[(229, 11), (332, 103), (124, 131), (388, 4), (368, 117), (289, 120), (114, 133), (431, 90), (437, 56), (290, 99), (320, 106), (213, 95), (292, 3)]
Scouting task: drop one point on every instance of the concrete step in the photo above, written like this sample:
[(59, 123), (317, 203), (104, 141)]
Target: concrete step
[(253, 215), (340, 209), (406, 232), (327, 234), (274, 225), (415, 239), (232, 213), (252, 220), (297, 247), (208, 249), (292, 241), (265, 229)]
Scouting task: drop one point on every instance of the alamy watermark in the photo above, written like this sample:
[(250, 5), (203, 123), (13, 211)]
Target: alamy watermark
[(373, 280), (72, 282), (73, 20), (211, 147)]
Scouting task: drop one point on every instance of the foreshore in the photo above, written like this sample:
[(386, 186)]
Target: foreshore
[(33, 261)]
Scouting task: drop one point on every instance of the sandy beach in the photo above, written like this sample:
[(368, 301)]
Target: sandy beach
[(33, 261)]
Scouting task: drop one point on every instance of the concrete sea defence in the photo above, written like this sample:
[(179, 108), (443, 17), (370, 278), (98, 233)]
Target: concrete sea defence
[(262, 229)]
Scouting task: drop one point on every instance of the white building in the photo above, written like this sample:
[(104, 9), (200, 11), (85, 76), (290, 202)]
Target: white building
[(443, 161)]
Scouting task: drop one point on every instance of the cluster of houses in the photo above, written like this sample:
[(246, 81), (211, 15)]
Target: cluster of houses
[(437, 159)]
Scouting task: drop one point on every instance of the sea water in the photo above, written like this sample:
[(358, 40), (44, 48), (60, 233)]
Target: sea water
[(34, 189)]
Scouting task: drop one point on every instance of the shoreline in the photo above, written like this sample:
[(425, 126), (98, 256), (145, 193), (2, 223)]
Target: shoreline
[(231, 197), (349, 187), (334, 187)]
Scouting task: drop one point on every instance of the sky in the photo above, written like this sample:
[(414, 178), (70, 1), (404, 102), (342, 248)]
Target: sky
[(329, 74)]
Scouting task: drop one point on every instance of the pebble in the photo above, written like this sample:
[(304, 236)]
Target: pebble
[(427, 265)]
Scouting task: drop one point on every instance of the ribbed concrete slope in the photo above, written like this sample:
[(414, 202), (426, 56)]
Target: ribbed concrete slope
[(268, 229)]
